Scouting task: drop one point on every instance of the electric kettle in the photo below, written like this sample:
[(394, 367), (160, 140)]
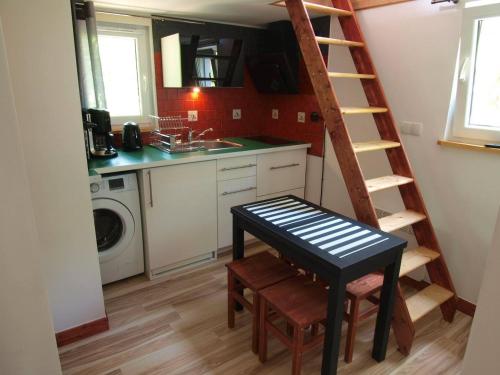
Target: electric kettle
[(131, 137)]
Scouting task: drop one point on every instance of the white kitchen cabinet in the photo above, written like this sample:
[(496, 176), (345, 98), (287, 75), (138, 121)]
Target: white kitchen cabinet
[(281, 171), (231, 168), (179, 209), (297, 192), (233, 193)]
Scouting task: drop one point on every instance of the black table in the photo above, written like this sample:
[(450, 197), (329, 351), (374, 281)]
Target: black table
[(333, 246)]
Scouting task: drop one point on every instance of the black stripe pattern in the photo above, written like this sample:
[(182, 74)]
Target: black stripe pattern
[(333, 234)]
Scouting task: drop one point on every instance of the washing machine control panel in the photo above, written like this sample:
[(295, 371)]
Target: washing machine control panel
[(113, 184)]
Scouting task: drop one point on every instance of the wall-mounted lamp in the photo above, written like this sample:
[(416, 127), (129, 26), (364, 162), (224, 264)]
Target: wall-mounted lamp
[(444, 1), (195, 92)]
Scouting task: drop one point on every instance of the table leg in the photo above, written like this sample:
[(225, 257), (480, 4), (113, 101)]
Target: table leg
[(238, 249), (384, 317), (335, 314), (238, 240)]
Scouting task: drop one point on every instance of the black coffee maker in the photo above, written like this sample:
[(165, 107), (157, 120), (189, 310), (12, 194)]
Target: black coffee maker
[(100, 138)]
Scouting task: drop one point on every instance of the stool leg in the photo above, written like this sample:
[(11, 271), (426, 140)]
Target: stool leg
[(263, 311), (230, 300), (298, 348), (255, 322), (351, 329)]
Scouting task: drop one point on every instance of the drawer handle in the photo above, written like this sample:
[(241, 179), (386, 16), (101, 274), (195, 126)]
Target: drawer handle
[(285, 166), (239, 191), (238, 167)]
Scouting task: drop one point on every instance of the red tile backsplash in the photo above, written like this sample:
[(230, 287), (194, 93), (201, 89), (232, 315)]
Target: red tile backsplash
[(215, 108)]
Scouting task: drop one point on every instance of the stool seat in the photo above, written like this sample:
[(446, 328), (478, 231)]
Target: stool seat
[(300, 300), (366, 285), (261, 270)]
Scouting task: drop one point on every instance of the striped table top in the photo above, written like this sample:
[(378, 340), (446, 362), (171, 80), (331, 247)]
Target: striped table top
[(334, 237)]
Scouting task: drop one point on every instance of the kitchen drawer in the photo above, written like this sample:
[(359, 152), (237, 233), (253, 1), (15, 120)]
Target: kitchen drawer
[(232, 193), (297, 192), (281, 171), (230, 168)]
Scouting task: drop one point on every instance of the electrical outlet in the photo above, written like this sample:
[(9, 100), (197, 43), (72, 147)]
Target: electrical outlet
[(192, 116), (236, 114), (301, 117), (275, 114)]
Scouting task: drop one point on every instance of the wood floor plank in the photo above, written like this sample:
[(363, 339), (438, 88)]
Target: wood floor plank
[(177, 325)]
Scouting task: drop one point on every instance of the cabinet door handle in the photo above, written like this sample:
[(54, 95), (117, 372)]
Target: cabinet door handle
[(285, 166), (238, 167), (239, 191), (150, 189)]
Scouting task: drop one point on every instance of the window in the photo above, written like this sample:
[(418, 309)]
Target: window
[(477, 114), (126, 68)]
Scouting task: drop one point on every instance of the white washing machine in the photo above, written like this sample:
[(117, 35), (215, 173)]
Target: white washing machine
[(117, 218)]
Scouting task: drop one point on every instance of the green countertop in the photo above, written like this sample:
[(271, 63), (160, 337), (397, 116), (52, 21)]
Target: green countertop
[(150, 157)]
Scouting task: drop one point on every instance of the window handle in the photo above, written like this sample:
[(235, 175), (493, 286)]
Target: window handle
[(464, 72)]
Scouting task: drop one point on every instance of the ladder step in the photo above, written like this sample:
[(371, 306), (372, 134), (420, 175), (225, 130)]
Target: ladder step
[(400, 220), (338, 42), (374, 145), (427, 300), (361, 110), (351, 75), (386, 182), (416, 258), (326, 9)]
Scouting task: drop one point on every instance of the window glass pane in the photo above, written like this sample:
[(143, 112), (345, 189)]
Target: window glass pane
[(121, 76), (485, 103)]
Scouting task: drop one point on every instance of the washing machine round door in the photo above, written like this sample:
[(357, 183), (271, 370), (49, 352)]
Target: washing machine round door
[(114, 227)]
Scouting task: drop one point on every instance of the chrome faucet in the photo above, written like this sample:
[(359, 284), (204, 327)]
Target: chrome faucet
[(191, 132)]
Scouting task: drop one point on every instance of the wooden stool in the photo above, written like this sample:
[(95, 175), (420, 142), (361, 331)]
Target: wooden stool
[(302, 303), (255, 273), (356, 292)]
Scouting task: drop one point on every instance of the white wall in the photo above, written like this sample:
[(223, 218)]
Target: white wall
[(27, 342), (414, 47), (40, 52), (481, 356)]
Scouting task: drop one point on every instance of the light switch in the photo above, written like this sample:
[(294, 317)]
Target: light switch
[(192, 116), (236, 114), (275, 114), (411, 128), (301, 117)]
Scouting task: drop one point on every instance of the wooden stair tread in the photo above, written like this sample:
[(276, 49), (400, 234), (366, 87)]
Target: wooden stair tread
[(400, 220), (427, 300), (374, 145), (386, 182), (326, 9), (351, 75), (361, 110), (338, 42), (416, 258)]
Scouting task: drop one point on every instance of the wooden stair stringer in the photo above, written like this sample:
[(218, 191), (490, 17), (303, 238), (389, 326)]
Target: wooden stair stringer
[(341, 141), (410, 193)]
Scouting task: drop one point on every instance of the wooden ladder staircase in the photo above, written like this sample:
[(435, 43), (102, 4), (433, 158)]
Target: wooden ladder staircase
[(441, 291)]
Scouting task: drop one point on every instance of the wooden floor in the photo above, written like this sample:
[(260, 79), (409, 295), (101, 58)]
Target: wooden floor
[(177, 325)]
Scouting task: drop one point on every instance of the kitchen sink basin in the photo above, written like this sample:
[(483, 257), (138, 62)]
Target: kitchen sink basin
[(214, 144)]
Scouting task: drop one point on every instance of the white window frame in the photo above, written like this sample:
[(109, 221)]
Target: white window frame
[(461, 129), (108, 24)]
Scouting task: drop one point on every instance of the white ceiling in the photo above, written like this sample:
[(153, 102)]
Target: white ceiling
[(245, 12)]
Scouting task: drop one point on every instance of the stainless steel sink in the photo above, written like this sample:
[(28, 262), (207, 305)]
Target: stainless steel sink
[(201, 145), (214, 144)]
